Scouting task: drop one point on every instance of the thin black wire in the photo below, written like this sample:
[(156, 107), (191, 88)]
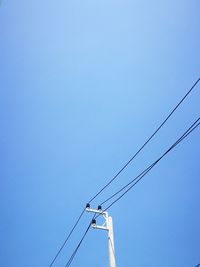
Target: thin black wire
[(70, 233), (77, 248), (143, 173), (79, 244), (104, 187), (189, 131), (183, 136)]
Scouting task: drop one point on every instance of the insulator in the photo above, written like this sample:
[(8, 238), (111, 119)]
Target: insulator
[(87, 205), (94, 221), (99, 207)]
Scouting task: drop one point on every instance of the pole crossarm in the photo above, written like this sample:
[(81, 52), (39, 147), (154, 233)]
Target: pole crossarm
[(104, 214), (100, 227)]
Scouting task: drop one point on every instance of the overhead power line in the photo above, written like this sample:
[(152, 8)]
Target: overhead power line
[(78, 246), (147, 141), (121, 170), (133, 182), (70, 233)]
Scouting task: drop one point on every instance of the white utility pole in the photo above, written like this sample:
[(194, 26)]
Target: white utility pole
[(108, 226)]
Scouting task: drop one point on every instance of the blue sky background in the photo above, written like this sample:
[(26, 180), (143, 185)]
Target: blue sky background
[(83, 84)]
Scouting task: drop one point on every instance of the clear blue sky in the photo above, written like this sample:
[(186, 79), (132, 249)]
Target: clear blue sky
[(83, 84)]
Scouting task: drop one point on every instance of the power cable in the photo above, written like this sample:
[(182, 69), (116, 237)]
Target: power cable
[(79, 244), (138, 177), (119, 172), (142, 174), (183, 136), (148, 140), (77, 248), (70, 233), (124, 187)]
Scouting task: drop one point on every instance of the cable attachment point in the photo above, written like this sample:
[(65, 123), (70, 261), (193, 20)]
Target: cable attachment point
[(93, 223), (87, 206), (99, 207)]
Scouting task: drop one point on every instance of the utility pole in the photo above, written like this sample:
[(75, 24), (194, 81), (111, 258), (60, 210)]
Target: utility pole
[(108, 226)]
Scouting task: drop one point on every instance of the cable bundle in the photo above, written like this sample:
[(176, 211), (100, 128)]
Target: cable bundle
[(125, 189)]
